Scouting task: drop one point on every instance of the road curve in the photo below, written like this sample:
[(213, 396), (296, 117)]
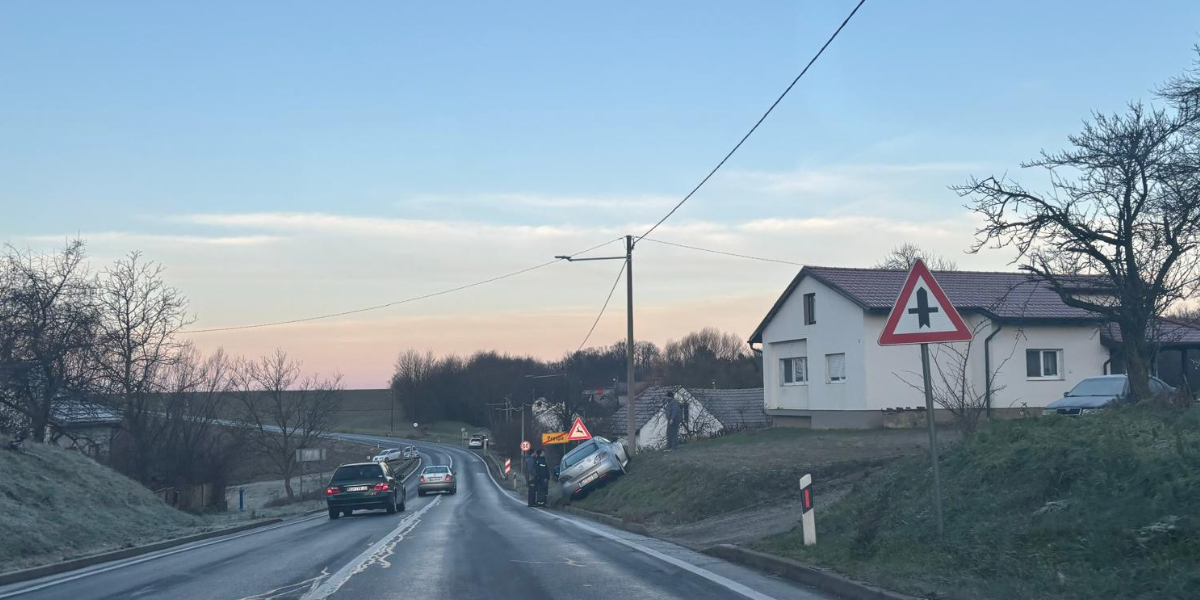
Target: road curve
[(480, 543)]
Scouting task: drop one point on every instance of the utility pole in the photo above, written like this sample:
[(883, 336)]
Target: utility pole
[(629, 343), (629, 347)]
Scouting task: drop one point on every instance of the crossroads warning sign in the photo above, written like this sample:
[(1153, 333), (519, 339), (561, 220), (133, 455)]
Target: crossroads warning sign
[(579, 432), (922, 313)]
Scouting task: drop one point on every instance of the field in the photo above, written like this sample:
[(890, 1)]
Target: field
[(1103, 506)]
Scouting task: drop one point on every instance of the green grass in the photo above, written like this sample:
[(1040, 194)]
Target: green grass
[(712, 477), (1103, 506), (56, 505)]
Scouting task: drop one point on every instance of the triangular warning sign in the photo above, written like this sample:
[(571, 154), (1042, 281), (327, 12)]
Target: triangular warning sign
[(922, 313), (578, 431)]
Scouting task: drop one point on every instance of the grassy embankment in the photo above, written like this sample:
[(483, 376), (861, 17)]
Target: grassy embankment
[(56, 505), (1103, 506), (744, 470)]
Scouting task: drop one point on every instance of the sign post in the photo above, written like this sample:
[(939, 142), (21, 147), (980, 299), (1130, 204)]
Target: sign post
[(924, 315), (807, 517)]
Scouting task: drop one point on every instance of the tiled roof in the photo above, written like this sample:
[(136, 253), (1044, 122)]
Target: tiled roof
[(1167, 332), (1006, 296), (648, 404), (735, 409)]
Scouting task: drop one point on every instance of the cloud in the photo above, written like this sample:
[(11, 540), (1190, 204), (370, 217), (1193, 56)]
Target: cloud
[(125, 237), (859, 179), (373, 226)]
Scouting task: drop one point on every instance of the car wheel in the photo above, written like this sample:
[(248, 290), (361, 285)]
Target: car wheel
[(420, 493), (454, 490), (403, 504), (347, 512), (390, 507), (334, 513)]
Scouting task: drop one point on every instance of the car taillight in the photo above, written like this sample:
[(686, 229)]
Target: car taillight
[(329, 491), (449, 478), (381, 487), (599, 458), (422, 478)]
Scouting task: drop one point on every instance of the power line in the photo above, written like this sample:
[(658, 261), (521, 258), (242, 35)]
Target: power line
[(774, 260), (760, 121), (399, 302), (602, 308)]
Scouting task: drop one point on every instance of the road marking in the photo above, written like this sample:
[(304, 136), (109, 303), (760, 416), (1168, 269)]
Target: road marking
[(375, 554), (724, 582), (166, 553)]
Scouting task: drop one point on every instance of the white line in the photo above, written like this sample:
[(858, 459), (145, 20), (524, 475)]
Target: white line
[(151, 557), (725, 582), (344, 574), (166, 553)]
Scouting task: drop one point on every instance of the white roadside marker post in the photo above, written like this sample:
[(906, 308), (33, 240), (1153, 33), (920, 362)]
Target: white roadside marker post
[(807, 517)]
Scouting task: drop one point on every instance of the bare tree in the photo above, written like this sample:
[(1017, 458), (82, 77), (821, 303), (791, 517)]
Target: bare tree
[(1124, 203), (46, 334), (284, 410), (952, 385), (140, 316), (902, 257)]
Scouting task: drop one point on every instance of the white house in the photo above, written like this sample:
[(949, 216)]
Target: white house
[(706, 412), (823, 367)]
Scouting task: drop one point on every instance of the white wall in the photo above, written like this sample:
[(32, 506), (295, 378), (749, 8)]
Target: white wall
[(838, 329), (653, 435)]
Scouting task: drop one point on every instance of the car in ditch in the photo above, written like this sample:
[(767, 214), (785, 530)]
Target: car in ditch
[(364, 486), (590, 464), (1096, 393)]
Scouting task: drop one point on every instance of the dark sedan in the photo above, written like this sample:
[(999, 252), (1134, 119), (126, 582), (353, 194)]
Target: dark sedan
[(1095, 393), (364, 486)]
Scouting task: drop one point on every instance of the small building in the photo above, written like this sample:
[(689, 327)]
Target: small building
[(705, 413), (78, 424), (823, 367)]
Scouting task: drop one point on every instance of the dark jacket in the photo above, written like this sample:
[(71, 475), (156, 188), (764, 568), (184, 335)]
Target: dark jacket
[(542, 469), (673, 411), (530, 467)]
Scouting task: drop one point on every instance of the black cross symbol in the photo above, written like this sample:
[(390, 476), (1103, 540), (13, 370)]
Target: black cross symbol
[(923, 309)]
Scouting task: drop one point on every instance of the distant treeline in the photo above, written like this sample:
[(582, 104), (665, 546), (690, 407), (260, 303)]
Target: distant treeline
[(433, 388)]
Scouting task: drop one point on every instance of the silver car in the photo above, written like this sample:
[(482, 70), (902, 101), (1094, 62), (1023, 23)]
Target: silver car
[(593, 462), (437, 478)]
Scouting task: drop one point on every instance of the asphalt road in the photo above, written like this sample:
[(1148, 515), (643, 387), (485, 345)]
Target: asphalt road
[(480, 543)]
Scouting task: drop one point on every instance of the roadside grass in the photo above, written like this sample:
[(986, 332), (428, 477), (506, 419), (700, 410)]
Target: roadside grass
[(706, 478), (1102, 506), (56, 505)]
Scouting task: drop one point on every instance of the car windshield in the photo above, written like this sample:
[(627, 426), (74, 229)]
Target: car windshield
[(1099, 386), (353, 472), (573, 457)]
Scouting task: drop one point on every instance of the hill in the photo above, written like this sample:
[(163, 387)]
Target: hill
[(58, 504), (1101, 506)]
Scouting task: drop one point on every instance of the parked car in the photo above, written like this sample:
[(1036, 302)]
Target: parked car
[(359, 486), (437, 478), (410, 452), (388, 455), (475, 442), (1095, 393), (594, 461)]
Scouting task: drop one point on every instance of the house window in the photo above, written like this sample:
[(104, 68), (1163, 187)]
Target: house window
[(795, 370), (810, 309), (835, 368), (1043, 364)]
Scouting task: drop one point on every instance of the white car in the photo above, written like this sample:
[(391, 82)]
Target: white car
[(389, 455), (410, 452), (476, 442)]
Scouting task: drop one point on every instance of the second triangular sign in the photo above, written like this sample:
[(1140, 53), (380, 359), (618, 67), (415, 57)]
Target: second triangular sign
[(578, 431), (922, 313)]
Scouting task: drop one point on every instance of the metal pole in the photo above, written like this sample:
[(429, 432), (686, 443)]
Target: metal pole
[(629, 346), (933, 448)]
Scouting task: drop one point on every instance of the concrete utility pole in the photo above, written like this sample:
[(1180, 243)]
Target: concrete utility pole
[(629, 347), (629, 343)]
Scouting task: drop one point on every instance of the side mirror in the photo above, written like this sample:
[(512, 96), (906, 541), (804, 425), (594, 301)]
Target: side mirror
[(1065, 394)]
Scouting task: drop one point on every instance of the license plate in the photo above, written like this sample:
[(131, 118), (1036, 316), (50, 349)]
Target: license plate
[(357, 488), (589, 479)]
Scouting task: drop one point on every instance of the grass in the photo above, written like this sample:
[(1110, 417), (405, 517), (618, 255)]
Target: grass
[(445, 431), (56, 505), (712, 477), (1100, 506)]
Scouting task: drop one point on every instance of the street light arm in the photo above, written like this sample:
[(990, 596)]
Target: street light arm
[(571, 259)]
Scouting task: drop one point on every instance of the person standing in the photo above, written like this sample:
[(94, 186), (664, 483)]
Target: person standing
[(531, 477), (674, 416), (543, 477)]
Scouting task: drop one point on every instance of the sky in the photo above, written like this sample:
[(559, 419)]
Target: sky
[(284, 160)]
